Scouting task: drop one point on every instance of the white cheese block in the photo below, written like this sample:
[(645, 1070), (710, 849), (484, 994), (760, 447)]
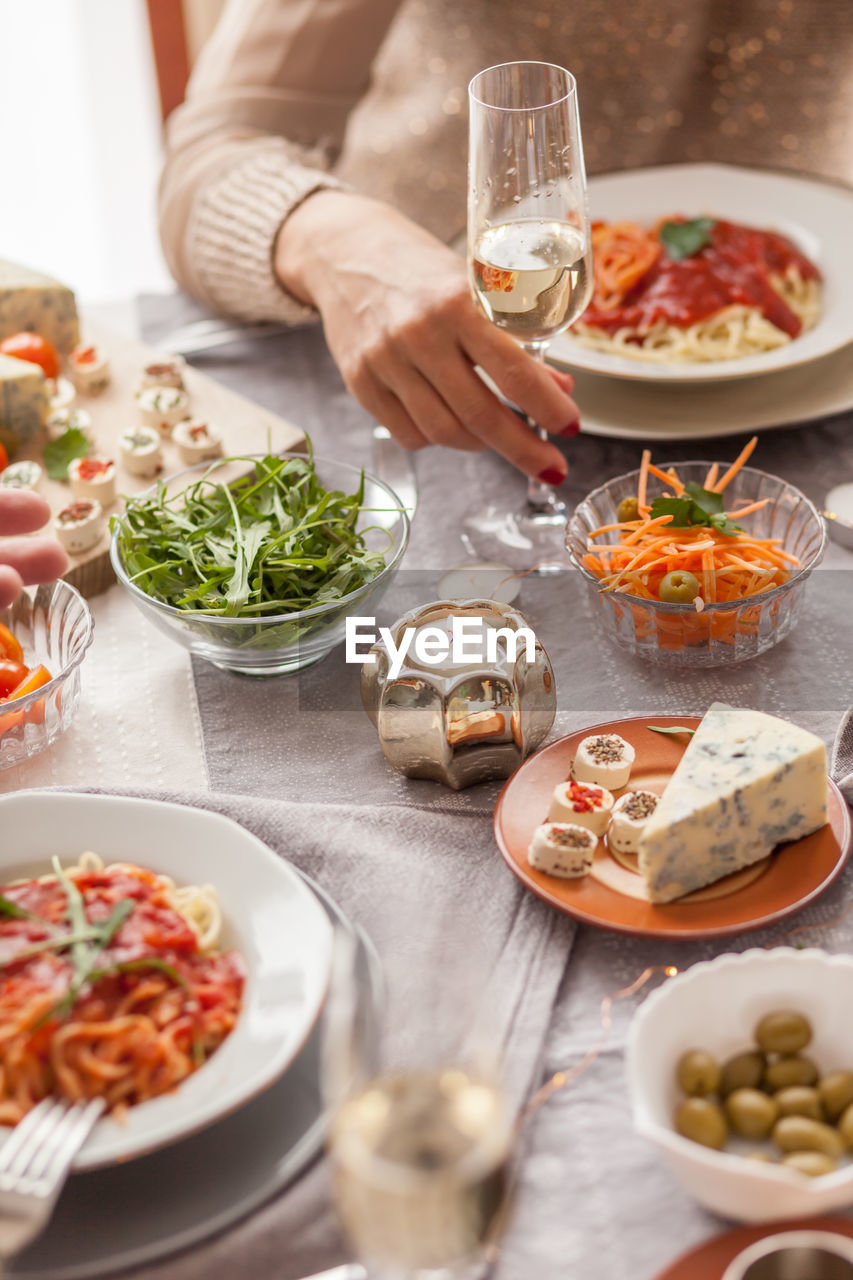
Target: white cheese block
[(24, 401), (605, 759), (562, 849), (629, 820), (746, 782), (36, 302), (582, 805)]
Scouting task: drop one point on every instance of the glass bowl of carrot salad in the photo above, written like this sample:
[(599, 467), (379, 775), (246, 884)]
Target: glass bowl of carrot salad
[(44, 637), (701, 564)]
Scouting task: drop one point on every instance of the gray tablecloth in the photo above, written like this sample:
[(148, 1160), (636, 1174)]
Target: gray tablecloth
[(594, 1202)]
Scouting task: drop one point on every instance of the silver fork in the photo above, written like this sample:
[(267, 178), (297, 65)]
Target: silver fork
[(34, 1164)]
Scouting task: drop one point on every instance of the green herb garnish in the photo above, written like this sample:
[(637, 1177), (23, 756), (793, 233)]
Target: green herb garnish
[(11, 909), (669, 728), (696, 506), (58, 453), (683, 239), (85, 961), (274, 542)]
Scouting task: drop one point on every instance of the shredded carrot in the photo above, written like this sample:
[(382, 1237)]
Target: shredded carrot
[(729, 568), (744, 454)]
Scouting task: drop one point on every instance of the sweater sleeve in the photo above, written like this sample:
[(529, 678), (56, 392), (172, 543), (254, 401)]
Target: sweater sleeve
[(261, 128)]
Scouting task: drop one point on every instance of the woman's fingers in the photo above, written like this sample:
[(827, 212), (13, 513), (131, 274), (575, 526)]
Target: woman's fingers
[(33, 559), (10, 585), (522, 379), (22, 511)]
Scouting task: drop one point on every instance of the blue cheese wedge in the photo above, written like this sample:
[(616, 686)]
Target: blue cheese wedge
[(37, 303), (24, 401), (562, 849), (747, 782)]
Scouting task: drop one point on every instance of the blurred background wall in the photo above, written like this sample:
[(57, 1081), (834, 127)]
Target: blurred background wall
[(83, 90)]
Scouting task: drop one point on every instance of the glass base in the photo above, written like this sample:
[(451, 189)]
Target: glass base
[(532, 539), (284, 668)]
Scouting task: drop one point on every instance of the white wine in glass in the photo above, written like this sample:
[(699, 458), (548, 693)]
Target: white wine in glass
[(529, 256)]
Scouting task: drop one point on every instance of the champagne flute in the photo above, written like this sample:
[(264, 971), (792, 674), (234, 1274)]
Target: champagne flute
[(529, 258), (418, 1143)]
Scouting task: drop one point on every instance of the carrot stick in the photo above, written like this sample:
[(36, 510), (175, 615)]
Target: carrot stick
[(745, 453), (711, 477), (644, 476), (667, 477)]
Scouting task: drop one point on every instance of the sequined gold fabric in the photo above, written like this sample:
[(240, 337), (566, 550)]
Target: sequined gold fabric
[(754, 82)]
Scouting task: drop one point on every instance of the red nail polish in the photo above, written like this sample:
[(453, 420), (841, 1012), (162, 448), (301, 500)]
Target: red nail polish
[(551, 476), (572, 429)]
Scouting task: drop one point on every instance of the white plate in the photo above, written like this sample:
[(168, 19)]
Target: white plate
[(816, 215), (673, 411), (271, 917), (133, 1214)]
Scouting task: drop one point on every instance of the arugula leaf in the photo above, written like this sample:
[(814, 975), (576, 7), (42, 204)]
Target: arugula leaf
[(683, 239), (9, 908), (57, 453)]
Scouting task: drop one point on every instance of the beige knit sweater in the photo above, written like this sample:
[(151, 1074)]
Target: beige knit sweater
[(290, 96)]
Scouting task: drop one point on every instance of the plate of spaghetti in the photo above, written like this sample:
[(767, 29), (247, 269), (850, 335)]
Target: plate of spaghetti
[(156, 956), (705, 272)]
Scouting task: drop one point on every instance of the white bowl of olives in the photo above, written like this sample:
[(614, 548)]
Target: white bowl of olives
[(740, 1072)]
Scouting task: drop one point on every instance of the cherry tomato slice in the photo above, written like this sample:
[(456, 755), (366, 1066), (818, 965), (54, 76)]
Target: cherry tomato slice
[(35, 678), (11, 675), (35, 348), (4, 458), (10, 650)]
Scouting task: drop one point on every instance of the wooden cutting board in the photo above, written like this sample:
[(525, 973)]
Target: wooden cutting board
[(245, 427)]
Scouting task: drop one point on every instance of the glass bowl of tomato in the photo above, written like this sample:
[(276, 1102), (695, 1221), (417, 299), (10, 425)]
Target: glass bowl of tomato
[(44, 637)]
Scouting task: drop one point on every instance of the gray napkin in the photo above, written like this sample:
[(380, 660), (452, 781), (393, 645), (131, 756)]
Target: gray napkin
[(841, 766), (431, 891)]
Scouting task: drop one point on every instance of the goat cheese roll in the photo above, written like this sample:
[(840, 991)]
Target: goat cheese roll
[(140, 451), (62, 420), (21, 475), (631, 812), (90, 369), (581, 805), (604, 759), (166, 371), (197, 441), (93, 480), (62, 394), (79, 526), (163, 408), (562, 849)]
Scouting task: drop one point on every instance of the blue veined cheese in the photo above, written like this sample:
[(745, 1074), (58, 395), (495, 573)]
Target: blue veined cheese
[(746, 782), (24, 401), (36, 302)]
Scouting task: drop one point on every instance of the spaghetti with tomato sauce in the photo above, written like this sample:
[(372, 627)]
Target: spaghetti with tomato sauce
[(743, 291), (110, 986)]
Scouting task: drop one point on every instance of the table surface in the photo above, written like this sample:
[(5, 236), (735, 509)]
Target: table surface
[(306, 738)]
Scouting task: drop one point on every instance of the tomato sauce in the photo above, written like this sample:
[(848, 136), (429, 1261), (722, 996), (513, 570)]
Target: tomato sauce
[(735, 268)]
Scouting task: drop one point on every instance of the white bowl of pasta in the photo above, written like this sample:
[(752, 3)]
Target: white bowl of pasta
[(159, 956)]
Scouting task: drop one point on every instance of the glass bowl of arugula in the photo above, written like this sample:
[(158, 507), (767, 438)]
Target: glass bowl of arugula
[(697, 565), (254, 563)]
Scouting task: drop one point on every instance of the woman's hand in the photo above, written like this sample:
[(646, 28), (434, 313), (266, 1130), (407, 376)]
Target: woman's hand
[(24, 560), (406, 334)]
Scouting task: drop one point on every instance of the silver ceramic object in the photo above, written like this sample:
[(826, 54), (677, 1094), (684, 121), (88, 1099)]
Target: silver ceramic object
[(795, 1255), (465, 723)]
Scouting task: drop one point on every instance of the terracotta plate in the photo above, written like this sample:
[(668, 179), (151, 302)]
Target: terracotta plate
[(710, 1260), (612, 896)]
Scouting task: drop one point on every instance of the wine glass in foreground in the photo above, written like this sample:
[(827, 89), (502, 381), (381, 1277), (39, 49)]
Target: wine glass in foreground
[(529, 257), (418, 1149)]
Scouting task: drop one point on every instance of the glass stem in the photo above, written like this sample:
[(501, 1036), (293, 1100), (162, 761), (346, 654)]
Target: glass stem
[(540, 497)]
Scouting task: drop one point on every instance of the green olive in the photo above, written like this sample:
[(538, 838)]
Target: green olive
[(698, 1073), (798, 1133), (813, 1163), (702, 1121), (800, 1100), (743, 1071), (845, 1126), (836, 1092), (679, 587), (783, 1032), (628, 509), (751, 1113), (787, 1071)]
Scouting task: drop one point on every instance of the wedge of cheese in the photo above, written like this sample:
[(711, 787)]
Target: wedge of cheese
[(24, 401), (30, 300), (746, 782)]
